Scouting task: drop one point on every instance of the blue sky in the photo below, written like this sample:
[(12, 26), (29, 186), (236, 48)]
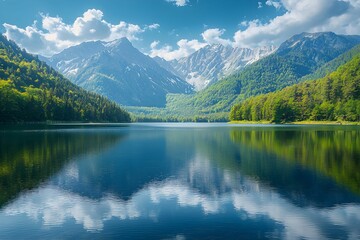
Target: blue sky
[(171, 28)]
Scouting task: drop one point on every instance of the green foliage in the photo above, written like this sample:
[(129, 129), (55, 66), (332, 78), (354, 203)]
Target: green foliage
[(270, 74), (32, 91), (331, 152), (282, 112), (335, 97), (153, 114)]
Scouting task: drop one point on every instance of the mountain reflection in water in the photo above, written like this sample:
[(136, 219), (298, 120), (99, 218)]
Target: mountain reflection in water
[(185, 181)]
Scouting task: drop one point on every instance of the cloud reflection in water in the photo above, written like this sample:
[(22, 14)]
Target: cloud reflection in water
[(54, 206)]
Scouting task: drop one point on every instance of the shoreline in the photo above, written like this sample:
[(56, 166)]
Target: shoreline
[(75, 123), (299, 122)]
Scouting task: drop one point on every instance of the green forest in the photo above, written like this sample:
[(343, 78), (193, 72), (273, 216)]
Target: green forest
[(272, 73), (335, 97), (31, 91)]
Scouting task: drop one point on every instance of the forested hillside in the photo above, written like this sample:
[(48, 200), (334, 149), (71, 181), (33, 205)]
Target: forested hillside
[(334, 97), (32, 91), (301, 55)]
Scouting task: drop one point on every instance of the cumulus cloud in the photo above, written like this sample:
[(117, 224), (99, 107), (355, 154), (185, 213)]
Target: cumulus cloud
[(213, 36), (302, 16), (179, 3), (56, 35), (339, 16), (30, 38), (153, 26), (275, 4), (124, 29), (184, 48)]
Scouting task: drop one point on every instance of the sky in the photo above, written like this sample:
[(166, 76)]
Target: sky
[(171, 29)]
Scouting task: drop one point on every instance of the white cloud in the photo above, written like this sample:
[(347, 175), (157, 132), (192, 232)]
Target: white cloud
[(339, 16), (179, 3), (55, 35), (153, 26), (30, 38), (275, 4), (252, 23), (213, 36), (302, 16), (260, 4), (124, 29), (184, 48), (154, 44)]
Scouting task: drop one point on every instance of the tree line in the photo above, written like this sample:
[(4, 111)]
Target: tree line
[(32, 91), (334, 97)]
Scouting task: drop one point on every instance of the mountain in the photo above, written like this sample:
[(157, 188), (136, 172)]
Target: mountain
[(320, 42), (166, 65), (335, 97), (32, 91), (213, 62), (297, 57), (120, 72), (332, 65)]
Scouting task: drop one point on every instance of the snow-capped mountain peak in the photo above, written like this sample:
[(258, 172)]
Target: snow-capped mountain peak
[(120, 72), (213, 62)]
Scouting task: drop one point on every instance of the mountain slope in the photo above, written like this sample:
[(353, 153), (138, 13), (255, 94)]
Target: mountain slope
[(335, 97), (120, 72), (166, 65), (299, 56), (32, 91), (213, 62), (333, 64)]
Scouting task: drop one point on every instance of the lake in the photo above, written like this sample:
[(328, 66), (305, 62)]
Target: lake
[(179, 181)]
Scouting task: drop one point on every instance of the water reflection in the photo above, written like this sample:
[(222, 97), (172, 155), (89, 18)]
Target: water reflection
[(28, 158), (54, 206), (332, 151), (199, 183)]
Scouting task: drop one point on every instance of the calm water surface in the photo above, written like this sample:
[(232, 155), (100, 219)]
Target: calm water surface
[(180, 181)]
